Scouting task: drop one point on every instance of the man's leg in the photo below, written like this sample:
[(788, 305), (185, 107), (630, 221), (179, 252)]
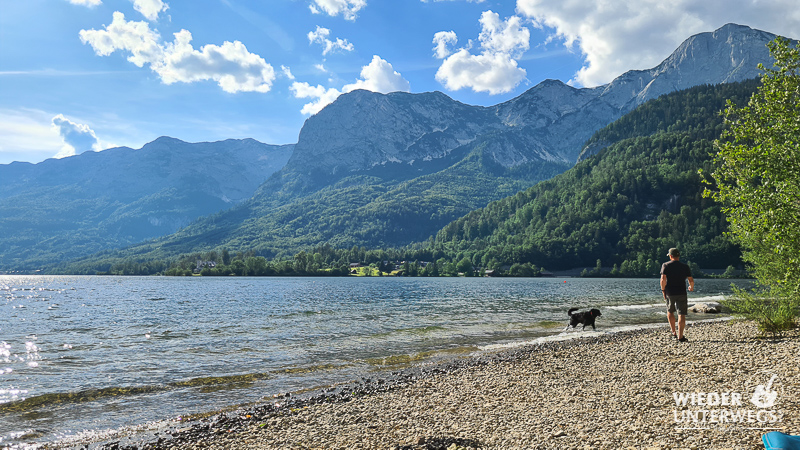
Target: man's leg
[(681, 325), (671, 319)]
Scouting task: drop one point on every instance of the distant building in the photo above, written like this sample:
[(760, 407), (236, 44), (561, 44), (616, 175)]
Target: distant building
[(203, 265)]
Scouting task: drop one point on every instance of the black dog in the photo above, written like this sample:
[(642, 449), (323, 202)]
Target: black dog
[(585, 318)]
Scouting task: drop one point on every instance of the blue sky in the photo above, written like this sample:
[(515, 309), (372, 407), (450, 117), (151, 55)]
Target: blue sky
[(78, 75)]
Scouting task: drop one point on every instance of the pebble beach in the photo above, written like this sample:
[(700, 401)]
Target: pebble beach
[(614, 391)]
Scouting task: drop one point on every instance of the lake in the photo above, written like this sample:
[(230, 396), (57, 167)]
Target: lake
[(82, 354)]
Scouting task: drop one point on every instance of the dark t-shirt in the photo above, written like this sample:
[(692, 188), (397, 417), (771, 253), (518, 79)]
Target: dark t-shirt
[(676, 273)]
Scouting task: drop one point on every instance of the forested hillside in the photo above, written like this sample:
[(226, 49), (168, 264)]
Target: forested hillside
[(625, 206), (639, 195), (62, 209)]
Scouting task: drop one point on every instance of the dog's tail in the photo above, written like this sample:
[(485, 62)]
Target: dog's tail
[(571, 310)]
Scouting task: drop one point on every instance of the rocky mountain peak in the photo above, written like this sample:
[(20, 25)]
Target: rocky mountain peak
[(550, 121), (729, 54)]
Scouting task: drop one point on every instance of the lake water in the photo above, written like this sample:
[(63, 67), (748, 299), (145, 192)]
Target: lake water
[(83, 354)]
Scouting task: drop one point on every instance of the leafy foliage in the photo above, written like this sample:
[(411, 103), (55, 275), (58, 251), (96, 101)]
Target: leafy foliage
[(757, 176)]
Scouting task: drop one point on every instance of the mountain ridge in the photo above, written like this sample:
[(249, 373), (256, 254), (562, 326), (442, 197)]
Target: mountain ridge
[(82, 204), (376, 169)]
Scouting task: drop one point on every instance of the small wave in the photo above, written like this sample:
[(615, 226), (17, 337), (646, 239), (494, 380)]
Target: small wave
[(309, 369), (405, 360), (633, 307), (88, 395), (222, 380), (709, 298), (566, 336), (415, 331)]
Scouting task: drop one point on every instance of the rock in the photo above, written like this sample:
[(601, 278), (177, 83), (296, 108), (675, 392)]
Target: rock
[(706, 307)]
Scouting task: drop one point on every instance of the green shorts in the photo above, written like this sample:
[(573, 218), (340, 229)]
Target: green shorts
[(679, 303)]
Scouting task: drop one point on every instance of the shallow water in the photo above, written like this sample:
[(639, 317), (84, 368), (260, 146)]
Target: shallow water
[(95, 353)]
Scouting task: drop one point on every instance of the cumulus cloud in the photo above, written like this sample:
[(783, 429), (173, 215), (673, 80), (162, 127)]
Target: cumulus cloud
[(86, 2), (77, 138), (323, 96), (495, 69), (27, 135), (347, 8), (377, 76), (149, 8), (320, 36), (618, 36), (287, 72), (441, 41), (508, 36), (231, 65)]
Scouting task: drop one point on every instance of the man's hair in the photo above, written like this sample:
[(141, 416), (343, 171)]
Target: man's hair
[(674, 252)]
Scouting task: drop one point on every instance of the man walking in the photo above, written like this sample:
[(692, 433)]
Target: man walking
[(674, 274)]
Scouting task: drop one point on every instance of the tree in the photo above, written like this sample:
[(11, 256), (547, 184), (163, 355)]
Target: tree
[(465, 266), (758, 184)]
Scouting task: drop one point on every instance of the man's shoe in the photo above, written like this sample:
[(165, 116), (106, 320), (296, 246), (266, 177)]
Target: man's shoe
[(683, 339)]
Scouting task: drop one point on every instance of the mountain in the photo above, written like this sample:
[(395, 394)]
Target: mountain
[(385, 170), (65, 208), (549, 122), (624, 206)]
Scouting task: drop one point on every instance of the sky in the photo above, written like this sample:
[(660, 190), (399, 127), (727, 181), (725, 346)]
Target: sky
[(87, 75)]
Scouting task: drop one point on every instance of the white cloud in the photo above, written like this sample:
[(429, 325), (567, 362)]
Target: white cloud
[(77, 138), (135, 37), (377, 76), (625, 34), (493, 73), (89, 3), (27, 135), (442, 39), (287, 72), (320, 36), (230, 64), (347, 8), (149, 8), (495, 69), (508, 37), (323, 96), (469, 1)]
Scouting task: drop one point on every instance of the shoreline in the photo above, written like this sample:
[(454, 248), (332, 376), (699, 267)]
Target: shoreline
[(573, 393)]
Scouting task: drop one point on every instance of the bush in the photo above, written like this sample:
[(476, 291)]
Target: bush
[(773, 312)]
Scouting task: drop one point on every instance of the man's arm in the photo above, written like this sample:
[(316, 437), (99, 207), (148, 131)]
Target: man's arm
[(664, 284), (691, 283)]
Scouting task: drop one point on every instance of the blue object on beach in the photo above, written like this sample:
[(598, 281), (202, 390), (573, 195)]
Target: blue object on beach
[(775, 440)]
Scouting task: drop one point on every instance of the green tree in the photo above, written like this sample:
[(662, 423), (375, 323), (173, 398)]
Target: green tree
[(758, 183), (465, 266)]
